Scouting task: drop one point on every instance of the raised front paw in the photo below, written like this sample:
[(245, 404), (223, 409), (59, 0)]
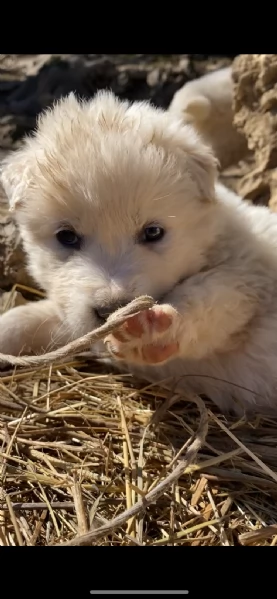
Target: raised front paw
[(149, 337)]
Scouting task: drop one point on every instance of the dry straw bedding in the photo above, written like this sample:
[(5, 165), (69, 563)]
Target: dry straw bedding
[(89, 456)]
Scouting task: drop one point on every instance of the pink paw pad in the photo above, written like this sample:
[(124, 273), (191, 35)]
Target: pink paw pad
[(150, 322), (154, 354)]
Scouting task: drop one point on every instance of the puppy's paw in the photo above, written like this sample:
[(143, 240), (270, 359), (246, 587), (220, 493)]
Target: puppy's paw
[(149, 337)]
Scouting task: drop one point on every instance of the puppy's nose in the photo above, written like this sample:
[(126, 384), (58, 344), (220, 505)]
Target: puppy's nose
[(104, 312)]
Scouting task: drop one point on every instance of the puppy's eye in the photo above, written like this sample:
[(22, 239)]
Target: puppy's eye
[(69, 238), (152, 233)]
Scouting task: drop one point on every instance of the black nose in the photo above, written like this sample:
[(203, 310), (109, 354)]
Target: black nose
[(104, 312)]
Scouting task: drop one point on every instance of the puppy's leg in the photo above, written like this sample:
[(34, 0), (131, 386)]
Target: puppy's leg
[(32, 328), (205, 314)]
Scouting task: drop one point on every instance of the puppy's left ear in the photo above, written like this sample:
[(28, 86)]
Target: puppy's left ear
[(199, 162), (15, 177), (203, 167)]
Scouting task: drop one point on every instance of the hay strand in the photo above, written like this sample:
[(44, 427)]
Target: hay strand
[(158, 490)]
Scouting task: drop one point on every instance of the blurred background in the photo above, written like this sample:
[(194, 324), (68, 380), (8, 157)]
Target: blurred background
[(30, 82)]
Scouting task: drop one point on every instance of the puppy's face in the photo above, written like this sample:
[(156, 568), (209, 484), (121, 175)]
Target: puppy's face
[(113, 200)]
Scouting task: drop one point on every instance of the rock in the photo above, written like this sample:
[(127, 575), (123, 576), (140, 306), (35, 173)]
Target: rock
[(255, 108), (154, 77), (12, 258)]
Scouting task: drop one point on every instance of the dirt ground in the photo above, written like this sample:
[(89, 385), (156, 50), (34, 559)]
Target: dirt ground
[(77, 444)]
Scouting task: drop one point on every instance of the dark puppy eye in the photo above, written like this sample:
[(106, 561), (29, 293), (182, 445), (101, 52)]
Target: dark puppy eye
[(152, 234), (69, 238)]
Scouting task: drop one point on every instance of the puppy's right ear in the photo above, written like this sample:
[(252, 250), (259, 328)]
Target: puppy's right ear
[(198, 108), (15, 177)]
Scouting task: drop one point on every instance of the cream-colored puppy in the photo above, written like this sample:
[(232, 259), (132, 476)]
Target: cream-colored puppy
[(206, 103), (115, 200)]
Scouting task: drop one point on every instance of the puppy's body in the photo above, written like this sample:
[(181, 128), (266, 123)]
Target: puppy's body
[(206, 103), (110, 172), (237, 292)]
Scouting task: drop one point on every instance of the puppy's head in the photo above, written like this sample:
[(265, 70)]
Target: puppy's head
[(113, 200)]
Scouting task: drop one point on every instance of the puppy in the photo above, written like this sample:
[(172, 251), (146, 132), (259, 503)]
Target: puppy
[(115, 200), (207, 104)]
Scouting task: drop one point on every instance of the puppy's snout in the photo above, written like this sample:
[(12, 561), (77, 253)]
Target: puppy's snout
[(104, 312)]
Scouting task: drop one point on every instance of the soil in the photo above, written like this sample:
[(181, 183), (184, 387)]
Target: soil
[(255, 106)]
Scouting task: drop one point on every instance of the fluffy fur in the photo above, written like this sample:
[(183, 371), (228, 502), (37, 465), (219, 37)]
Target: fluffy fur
[(107, 169), (207, 104)]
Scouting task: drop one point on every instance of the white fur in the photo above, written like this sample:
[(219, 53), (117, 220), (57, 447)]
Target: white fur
[(109, 168), (207, 104)]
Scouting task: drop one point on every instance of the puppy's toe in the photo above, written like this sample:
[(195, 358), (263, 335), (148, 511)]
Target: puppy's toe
[(149, 323), (158, 319)]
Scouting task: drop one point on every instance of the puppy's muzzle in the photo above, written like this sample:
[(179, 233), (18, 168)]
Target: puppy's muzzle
[(103, 312)]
